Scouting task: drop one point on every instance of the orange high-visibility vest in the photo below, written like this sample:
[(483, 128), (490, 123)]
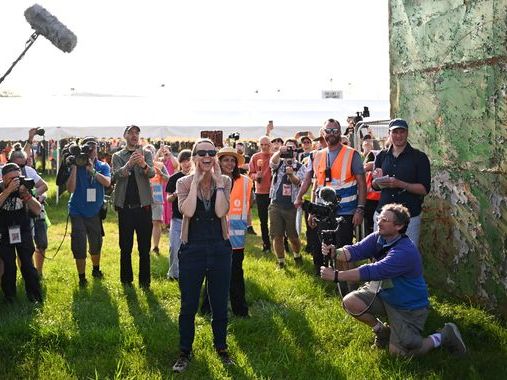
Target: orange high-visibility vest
[(342, 179), (239, 205), (157, 187), (371, 193)]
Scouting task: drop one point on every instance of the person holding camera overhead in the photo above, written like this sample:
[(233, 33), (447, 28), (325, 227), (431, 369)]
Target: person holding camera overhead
[(339, 167), (205, 252), (286, 179), (87, 182), (132, 170), (16, 205)]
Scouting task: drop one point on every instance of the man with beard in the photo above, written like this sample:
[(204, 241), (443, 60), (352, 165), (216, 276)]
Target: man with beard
[(132, 169), (339, 167)]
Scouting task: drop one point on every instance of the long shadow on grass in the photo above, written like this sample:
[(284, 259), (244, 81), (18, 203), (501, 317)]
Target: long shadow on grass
[(97, 346), (158, 331), (487, 351), (289, 343), (15, 322)]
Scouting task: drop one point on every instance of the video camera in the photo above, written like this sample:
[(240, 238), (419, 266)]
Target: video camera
[(75, 154), (234, 136), (325, 215), (359, 115)]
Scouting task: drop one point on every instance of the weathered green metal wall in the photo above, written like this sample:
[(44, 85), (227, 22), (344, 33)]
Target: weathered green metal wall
[(448, 64)]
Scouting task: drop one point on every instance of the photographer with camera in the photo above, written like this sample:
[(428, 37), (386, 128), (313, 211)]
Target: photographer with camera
[(16, 207), (339, 167), (395, 288), (132, 170), (260, 172), (40, 228), (86, 183), (286, 179)]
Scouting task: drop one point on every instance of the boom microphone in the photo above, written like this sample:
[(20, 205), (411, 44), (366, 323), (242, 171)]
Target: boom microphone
[(48, 25), (44, 23)]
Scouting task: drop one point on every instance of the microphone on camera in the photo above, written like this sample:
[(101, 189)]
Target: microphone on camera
[(44, 23), (49, 26)]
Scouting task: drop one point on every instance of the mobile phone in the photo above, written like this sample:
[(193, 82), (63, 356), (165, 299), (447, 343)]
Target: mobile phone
[(302, 134)]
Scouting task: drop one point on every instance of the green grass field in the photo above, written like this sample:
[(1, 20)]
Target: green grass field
[(297, 328)]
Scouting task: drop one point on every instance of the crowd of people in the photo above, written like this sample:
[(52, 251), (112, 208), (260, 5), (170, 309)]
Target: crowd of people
[(205, 195)]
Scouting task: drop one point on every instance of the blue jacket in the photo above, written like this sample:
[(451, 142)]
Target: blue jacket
[(78, 206), (401, 264)]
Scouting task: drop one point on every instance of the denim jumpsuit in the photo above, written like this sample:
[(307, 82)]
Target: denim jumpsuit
[(205, 255)]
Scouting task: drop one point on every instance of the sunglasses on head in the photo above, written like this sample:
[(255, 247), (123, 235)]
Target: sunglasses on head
[(332, 130), (202, 153)]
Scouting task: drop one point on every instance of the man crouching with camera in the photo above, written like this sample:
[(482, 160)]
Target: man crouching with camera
[(16, 205), (395, 288), (87, 182)]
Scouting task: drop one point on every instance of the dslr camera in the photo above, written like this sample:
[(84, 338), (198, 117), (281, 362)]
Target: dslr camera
[(28, 183), (75, 154), (40, 131), (288, 154)]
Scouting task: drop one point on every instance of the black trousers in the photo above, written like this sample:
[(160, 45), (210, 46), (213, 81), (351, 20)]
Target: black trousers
[(30, 275), (369, 210), (263, 201), (138, 220)]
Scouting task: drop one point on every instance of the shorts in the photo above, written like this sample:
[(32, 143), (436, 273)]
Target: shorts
[(83, 228), (282, 221), (406, 325), (157, 212), (40, 230)]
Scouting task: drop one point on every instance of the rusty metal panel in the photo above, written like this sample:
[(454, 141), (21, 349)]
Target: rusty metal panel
[(448, 64)]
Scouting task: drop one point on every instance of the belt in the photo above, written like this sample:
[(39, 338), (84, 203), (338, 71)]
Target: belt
[(132, 206)]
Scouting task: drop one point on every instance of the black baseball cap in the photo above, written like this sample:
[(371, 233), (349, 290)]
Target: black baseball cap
[(129, 127), (398, 123), (89, 140), (10, 167)]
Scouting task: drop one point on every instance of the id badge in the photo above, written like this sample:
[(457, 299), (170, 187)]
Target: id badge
[(287, 190), (14, 235), (91, 195)]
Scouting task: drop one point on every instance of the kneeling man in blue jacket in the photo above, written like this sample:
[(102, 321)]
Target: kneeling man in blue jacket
[(394, 288)]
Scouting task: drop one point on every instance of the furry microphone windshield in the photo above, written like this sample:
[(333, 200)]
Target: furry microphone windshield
[(48, 25)]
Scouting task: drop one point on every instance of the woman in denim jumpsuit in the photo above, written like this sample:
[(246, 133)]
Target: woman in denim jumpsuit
[(203, 199)]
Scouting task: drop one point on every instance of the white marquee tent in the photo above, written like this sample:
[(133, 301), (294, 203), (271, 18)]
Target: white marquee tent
[(161, 117)]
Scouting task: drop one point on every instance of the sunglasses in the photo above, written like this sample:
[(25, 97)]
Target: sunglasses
[(332, 130), (202, 153)]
